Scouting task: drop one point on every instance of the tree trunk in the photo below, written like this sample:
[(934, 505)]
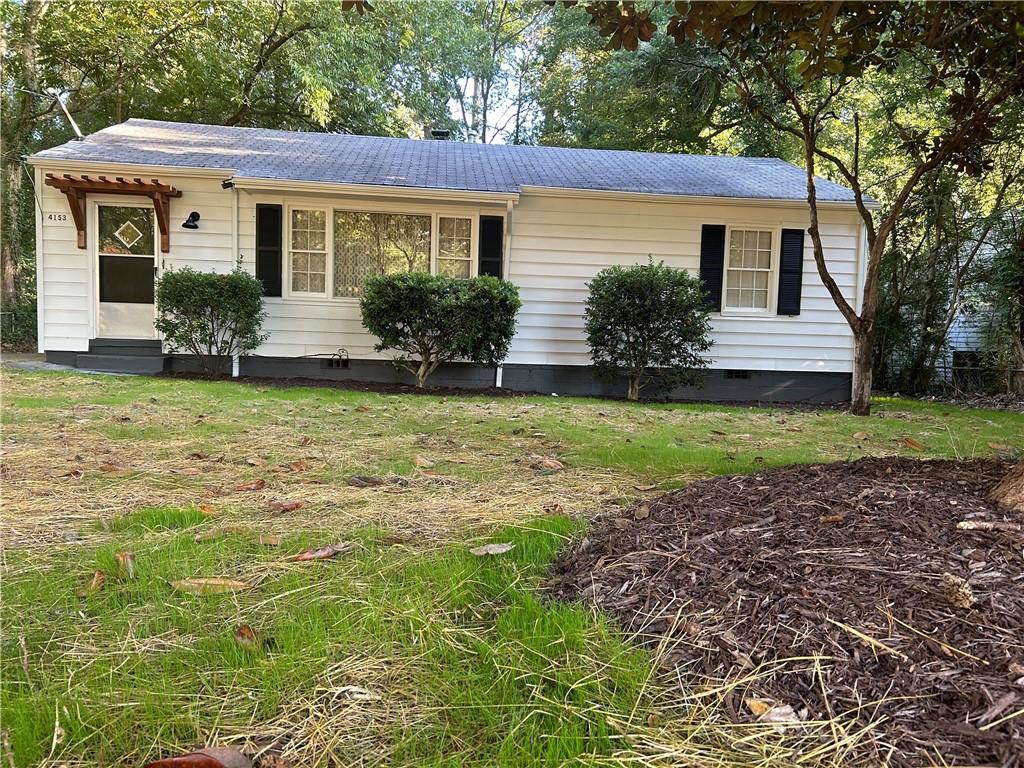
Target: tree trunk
[(422, 372), (634, 387), (860, 398), (1009, 493)]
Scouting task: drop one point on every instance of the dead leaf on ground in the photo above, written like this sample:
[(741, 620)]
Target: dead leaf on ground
[(957, 591), (255, 461), (245, 636), (365, 481), (210, 586), (117, 469), (913, 444), (491, 549), (861, 435), (1000, 447), (192, 471), (642, 512), (421, 461), (620, 523), (199, 455), (644, 488), (306, 440), (549, 463), (73, 473), (269, 540), (99, 580), (759, 707), (207, 509), (255, 485), (322, 553), (297, 466), (827, 519), (209, 535), (211, 757), (125, 564), (286, 505), (362, 409)]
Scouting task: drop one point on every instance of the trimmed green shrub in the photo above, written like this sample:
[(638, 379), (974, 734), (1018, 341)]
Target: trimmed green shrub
[(647, 322), (431, 319), (209, 315)]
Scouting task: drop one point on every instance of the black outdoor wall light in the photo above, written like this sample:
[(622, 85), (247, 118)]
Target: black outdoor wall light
[(192, 222)]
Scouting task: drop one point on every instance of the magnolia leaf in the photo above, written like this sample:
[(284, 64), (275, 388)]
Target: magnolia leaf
[(255, 485), (255, 461), (650, 487), (642, 512), (297, 466), (211, 757), (207, 509), (99, 580), (209, 586), (913, 444), (861, 435), (491, 549), (322, 553), (245, 636), (117, 469), (286, 505)]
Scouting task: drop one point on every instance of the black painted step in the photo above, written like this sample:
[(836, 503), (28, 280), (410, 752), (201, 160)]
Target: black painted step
[(131, 363), (125, 347)]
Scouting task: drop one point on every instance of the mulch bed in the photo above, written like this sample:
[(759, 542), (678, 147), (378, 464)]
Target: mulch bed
[(856, 562)]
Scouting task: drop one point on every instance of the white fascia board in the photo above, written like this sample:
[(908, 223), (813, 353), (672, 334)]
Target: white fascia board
[(377, 190), (127, 169), (761, 202)]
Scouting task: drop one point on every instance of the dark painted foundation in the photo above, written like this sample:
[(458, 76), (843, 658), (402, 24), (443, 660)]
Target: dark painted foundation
[(739, 386)]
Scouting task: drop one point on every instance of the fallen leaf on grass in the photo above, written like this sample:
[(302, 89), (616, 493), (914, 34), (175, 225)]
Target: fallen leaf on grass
[(286, 505), (207, 509), (306, 440), (209, 535), (191, 471), (362, 409), (491, 549), (861, 435), (110, 466), (211, 757), (198, 455), (245, 636), (1000, 447), (295, 466), (125, 564), (912, 444), (620, 523), (365, 481), (322, 553), (73, 473), (255, 461), (642, 512), (759, 707), (99, 579), (209, 586), (642, 488), (255, 485), (421, 461), (268, 540)]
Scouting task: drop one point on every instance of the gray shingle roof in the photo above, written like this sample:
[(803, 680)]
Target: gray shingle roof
[(345, 159)]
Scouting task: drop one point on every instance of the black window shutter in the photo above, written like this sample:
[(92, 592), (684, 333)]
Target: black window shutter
[(712, 264), (791, 271), (268, 248), (492, 244)]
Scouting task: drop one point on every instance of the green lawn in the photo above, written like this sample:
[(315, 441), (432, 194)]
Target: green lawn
[(407, 649)]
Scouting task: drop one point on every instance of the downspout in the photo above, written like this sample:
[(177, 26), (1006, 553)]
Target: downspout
[(237, 255), (506, 260), (40, 272)]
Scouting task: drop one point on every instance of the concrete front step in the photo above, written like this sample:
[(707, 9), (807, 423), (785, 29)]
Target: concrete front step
[(123, 363)]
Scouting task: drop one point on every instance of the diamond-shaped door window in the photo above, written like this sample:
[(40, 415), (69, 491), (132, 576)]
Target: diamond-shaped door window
[(128, 234)]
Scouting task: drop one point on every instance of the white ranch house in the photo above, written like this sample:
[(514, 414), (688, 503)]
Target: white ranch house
[(312, 215)]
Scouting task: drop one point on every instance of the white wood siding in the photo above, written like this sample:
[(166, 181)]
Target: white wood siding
[(67, 273), (559, 243)]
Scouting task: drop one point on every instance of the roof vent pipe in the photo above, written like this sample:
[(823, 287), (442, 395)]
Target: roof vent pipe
[(438, 134)]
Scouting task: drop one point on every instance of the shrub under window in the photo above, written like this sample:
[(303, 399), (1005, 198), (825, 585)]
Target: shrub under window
[(209, 315), (647, 322), (431, 319)]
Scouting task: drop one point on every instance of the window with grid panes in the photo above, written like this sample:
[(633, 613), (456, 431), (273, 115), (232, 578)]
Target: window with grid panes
[(749, 269), (308, 251)]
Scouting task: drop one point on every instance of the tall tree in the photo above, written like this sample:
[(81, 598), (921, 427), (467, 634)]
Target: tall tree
[(794, 64)]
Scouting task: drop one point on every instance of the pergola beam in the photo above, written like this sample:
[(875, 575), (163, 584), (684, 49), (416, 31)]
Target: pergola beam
[(75, 188)]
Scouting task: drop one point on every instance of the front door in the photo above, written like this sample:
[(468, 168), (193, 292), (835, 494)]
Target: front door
[(126, 249)]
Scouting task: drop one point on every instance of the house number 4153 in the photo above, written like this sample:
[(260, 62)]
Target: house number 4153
[(57, 217)]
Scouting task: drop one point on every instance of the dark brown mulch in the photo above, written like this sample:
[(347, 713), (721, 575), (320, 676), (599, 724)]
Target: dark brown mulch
[(762, 566)]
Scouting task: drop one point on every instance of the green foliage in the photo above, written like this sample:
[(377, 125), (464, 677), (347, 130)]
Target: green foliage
[(647, 322), (431, 319), (18, 325), (209, 315)]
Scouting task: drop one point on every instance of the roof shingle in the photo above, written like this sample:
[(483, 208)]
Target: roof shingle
[(450, 165)]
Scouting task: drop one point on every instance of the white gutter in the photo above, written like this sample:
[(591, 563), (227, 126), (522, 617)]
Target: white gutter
[(381, 190), (89, 166), (40, 272), (760, 202)]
